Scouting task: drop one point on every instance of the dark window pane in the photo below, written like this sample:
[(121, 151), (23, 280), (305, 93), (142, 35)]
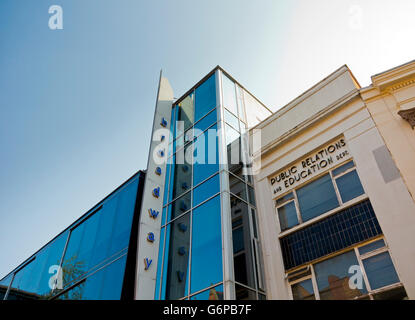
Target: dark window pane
[(229, 95), (380, 271), (159, 264), (176, 259), (181, 175), (206, 190), (372, 246), (179, 206), (237, 187), (392, 294), (206, 122), (206, 156), (303, 290), (284, 199), (206, 245), (205, 97), (251, 194), (339, 231), (215, 293), (317, 198), (287, 216), (243, 293), (333, 276), (349, 186), (343, 168)]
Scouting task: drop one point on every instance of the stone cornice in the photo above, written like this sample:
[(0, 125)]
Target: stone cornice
[(408, 115)]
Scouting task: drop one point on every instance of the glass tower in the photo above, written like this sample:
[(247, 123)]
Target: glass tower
[(209, 241)]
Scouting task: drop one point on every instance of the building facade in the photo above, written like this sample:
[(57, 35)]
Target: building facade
[(92, 259), (314, 201), (335, 214)]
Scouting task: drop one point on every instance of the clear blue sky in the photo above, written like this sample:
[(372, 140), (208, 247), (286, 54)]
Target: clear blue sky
[(76, 105)]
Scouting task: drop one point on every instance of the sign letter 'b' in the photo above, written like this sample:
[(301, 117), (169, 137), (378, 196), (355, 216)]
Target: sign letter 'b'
[(56, 21)]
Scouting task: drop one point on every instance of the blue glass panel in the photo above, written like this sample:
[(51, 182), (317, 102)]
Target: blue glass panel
[(124, 217), (372, 246), (206, 156), (238, 239), (206, 122), (349, 186), (380, 271), (206, 190), (159, 264), (169, 166), (105, 284), (333, 277), (176, 259), (287, 215), (343, 168), (284, 198), (206, 245), (229, 94), (317, 198), (215, 293), (205, 97)]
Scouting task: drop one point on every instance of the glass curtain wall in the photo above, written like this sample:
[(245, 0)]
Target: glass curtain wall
[(190, 262), (86, 261)]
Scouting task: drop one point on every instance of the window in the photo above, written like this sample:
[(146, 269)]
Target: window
[(229, 95), (303, 290), (176, 259), (206, 155), (205, 97), (352, 275), (206, 190), (215, 293), (185, 113), (319, 196), (206, 245)]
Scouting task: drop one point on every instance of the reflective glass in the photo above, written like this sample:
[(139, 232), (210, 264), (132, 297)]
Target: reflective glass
[(241, 107), (333, 277), (181, 176), (287, 215), (231, 120), (284, 198), (185, 113), (303, 290), (206, 155), (4, 284), (317, 198), (255, 111), (243, 293), (233, 146), (206, 190), (176, 259), (103, 234), (206, 245), (206, 122), (392, 294), (105, 284), (349, 186), (229, 94), (242, 243), (205, 97), (215, 293), (343, 168), (251, 194), (380, 271), (237, 187), (372, 246), (159, 263), (179, 206)]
